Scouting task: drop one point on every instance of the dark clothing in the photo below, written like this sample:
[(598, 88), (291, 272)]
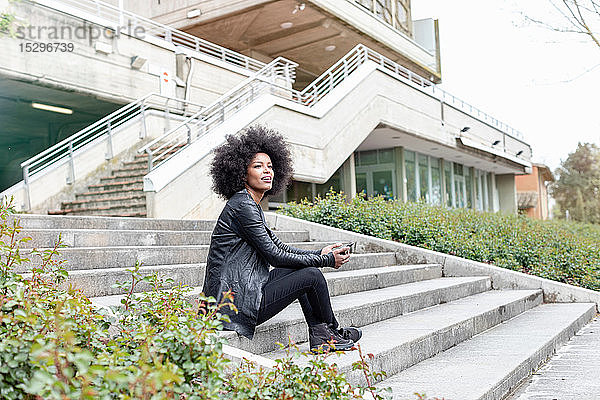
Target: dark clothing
[(308, 285), (241, 249)]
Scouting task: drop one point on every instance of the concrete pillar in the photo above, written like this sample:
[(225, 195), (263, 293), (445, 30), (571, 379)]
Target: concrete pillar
[(349, 178), (507, 193), (400, 174)]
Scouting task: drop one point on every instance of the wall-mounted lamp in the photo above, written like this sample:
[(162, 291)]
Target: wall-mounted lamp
[(47, 107), (519, 152), (496, 142), (466, 128), (137, 62)]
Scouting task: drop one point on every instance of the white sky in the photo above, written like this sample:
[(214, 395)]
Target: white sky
[(525, 75)]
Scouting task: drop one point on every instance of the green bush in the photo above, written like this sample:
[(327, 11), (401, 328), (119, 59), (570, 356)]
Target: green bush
[(557, 250), (55, 344)]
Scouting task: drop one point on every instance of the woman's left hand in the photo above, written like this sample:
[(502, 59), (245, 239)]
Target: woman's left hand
[(329, 249)]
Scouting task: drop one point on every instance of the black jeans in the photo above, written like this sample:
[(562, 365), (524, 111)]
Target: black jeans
[(308, 285)]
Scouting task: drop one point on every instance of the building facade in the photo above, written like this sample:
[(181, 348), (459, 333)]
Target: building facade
[(532, 192), (352, 85)]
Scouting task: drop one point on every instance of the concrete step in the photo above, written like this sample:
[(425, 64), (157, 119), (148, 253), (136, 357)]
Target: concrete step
[(136, 163), (568, 374), (119, 238), (101, 194), (78, 258), (400, 341), (119, 179), (129, 172), (96, 283), (490, 365), (37, 221), (127, 169), (129, 200), (132, 184), (131, 209), (360, 309)]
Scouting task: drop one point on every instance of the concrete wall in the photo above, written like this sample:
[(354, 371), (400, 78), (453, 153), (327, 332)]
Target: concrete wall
[(108, 76), (321, 138), (507, 193)]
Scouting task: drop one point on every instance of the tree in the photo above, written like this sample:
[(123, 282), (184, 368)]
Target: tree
[(577, 187), (576, 16)]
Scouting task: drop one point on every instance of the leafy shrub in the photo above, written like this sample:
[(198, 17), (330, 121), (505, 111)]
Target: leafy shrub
[(557, 250), (55, 344)]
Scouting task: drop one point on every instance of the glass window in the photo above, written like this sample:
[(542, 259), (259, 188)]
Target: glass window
[(386, 156), (436, 181), (299, 190), (383, 183), (458, 169), (333, 183), (423, 178), (361, 182), (448, 180), (368, 157), (411, 184)]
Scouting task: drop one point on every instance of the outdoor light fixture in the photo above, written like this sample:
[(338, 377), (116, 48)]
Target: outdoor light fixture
[(193, 13), (299, 7), (496, 142), (137, 62), (331, 47), (55, 109), (286, 25), (466, 128), (519, 152)]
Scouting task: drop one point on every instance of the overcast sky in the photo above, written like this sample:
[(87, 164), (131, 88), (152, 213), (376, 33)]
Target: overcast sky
[(525, 75)]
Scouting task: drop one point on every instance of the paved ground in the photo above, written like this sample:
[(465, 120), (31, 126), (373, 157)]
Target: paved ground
[(572, 374)]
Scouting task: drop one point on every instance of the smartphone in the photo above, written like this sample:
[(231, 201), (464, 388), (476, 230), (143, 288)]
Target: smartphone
[(350, 245)]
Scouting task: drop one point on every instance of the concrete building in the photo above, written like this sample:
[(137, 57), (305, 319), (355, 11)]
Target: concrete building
[(351, 84), (532, 191)]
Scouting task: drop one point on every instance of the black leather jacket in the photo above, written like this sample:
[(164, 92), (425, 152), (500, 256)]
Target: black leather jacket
[(242, 248)]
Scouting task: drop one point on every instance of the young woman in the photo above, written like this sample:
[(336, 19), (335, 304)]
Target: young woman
[(243, 248)]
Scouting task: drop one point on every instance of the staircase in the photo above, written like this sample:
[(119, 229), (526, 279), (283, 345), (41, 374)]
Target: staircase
[(120, 194), (446, 336)]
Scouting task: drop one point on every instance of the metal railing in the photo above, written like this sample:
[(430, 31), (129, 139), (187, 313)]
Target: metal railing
[(126, 22), (164, 147), (64, 151), (188, 131)]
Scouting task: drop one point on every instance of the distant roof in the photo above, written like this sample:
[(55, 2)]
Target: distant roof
[(545, 172)]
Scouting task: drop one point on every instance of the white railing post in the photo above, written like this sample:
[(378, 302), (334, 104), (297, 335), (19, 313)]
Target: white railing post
[(27, 203), (189, 134), (143, 131), (109, 145), (149, 152), (71, 176)]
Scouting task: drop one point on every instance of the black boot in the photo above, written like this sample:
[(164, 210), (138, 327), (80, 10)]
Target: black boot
[(350, 333), (322, 338)]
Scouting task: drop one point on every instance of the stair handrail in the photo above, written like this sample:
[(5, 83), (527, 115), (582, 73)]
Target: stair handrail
[(279, 67), (104, 127), (164, 32), (199, 125)]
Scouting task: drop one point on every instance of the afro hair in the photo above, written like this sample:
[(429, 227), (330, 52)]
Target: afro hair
[(231, 160)]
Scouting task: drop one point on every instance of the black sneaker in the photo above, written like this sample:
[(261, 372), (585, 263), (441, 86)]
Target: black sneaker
[(323, 339), (350, 333)]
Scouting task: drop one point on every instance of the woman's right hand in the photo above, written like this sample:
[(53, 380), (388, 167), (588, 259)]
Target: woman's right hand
[(342, 256)]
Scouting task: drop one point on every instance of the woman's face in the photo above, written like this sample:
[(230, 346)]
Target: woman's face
[(259, 176)]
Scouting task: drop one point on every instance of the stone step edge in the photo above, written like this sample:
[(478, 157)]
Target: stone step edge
[(195, 291), (528, 299), (536, 357), (362, 309)]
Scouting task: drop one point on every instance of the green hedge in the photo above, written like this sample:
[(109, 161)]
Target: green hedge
[(557, 250)]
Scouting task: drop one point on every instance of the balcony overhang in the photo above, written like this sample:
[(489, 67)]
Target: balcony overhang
[(315, 35)]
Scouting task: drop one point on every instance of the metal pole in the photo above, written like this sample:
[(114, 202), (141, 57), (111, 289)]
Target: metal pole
[(71, 177), (27, 204), (109, 145)]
